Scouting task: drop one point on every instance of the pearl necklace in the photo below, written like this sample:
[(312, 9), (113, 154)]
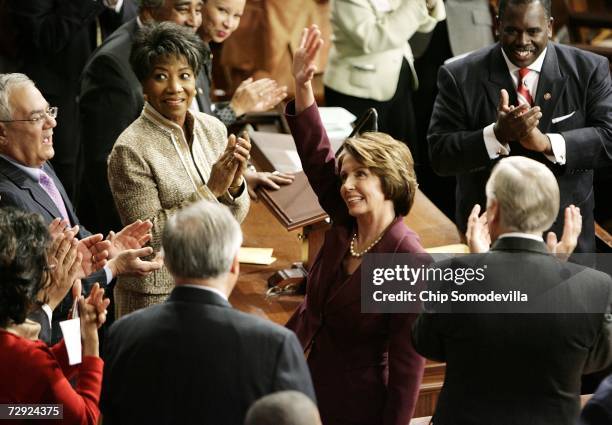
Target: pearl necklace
[(360, 254)]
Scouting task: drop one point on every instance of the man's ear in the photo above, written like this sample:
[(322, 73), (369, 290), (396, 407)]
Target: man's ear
[(3, 135), (235, 267), (497, 26), (550, 27)]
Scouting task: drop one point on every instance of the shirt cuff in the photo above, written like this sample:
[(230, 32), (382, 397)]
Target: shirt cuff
[(116, 7), (557, 142), (48, 312), (494, 147), (109, 274)]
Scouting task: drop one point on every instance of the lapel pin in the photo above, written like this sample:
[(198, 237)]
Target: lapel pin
[(200, 91), (547, 96)]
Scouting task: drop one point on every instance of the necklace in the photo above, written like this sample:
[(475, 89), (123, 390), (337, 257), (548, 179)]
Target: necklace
[(353, 243)]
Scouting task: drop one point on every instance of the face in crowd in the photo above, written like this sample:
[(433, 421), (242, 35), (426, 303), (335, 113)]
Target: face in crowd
[(524, 30), (28, 138), (221, 18)]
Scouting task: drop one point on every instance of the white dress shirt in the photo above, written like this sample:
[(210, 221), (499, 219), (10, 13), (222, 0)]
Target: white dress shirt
[(494, 147)]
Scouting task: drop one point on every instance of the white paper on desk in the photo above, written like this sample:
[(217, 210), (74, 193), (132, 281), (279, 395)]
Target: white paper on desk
[(71, 329), (261, 256), (335, 116)]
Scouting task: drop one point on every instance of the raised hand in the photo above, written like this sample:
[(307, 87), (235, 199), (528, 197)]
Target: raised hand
[(257, 96), (132, 236), (304, 66), (514, 123), (572, 226), (477, 233)]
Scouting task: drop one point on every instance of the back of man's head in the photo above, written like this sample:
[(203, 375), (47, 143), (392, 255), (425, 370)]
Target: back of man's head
[(526, 192), (201, 241), (283, 408)]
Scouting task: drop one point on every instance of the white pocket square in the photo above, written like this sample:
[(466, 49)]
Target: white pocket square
[(564, 117)]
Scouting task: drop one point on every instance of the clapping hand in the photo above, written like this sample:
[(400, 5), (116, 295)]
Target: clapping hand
[(94, 252), (477, 233), (257, 96), (572, 225), (132, 236), (514, 123), (64, 266)]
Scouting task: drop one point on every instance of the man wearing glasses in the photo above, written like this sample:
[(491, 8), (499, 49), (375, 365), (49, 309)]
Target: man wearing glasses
[(28, 182)]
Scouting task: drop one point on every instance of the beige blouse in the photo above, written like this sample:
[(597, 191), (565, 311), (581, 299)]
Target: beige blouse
[(153, 173)]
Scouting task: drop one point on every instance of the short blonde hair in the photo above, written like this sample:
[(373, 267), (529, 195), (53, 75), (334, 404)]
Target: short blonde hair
[(527, 193), (391, 161)]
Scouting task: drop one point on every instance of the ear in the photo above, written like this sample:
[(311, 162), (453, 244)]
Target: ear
[(235, 267), (550, 27), (493, 212), (3, 134), (497, 26)]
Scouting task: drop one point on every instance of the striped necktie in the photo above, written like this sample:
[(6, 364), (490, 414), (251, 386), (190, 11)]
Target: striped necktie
[(522, 92)]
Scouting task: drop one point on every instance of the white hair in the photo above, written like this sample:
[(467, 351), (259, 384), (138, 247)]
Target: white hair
[(7, 83), (201, 241), (527, 193)]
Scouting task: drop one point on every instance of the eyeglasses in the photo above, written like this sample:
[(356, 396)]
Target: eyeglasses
[(39, 116)]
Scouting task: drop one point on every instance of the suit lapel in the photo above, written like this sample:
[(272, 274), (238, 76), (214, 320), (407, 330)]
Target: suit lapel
[(33, 189), (552, 84), (499, 78)]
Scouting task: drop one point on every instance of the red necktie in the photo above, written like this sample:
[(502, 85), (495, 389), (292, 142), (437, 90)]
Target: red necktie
[(522, 92)]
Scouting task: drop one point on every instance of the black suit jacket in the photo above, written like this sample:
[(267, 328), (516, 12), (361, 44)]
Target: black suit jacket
[(111, 99), (520, 368), (196, 360), (578, 82), (18, 190)]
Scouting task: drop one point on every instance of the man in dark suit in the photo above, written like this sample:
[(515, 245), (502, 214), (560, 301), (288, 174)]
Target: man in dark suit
[(54, 40), (563, 120), (28, 182), (519, 368), (195, 359)]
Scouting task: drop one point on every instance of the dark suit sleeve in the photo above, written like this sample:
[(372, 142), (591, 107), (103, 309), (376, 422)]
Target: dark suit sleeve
[(291, 371), (107, 107), (454, 148), (600, 353), (318, 159), (591, 146), (427, 336), (50, 25), (10, 199)]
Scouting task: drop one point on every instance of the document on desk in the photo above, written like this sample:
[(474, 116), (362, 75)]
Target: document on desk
[(261, 256)]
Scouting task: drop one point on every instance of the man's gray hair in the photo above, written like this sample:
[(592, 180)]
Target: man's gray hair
[(283, 408), (7, 83), (201, 241), (527, 193)]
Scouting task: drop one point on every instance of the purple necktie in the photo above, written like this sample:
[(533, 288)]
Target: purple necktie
[(48, 185)]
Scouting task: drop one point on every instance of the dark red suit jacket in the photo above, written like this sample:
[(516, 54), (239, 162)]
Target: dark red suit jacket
[(32, 372), (364, 367)]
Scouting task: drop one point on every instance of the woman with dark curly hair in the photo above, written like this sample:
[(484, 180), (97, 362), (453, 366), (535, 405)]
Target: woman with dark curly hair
[(31, 371)]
